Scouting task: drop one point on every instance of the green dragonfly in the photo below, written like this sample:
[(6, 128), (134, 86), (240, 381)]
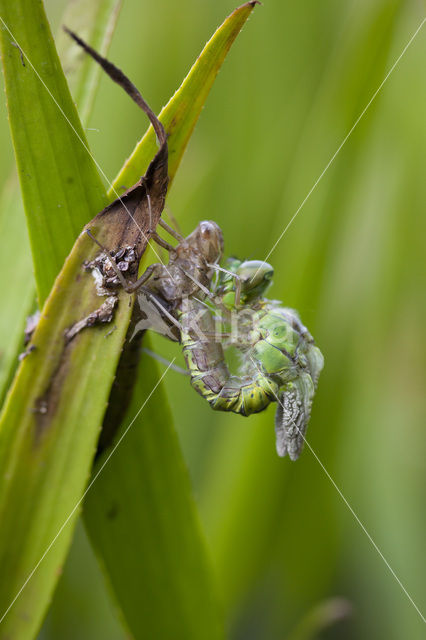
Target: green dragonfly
[(279, 361), (209, 309), (278, 358)]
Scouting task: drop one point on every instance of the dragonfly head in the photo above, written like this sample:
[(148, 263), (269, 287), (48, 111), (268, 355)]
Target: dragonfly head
[(208, 239), (255, 276)]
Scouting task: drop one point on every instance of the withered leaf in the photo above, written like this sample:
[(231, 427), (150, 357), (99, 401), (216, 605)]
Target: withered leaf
[(132, 216)]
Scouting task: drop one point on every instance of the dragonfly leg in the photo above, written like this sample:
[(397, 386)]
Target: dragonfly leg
[(209, 294), (170, 230), (237, 280), (156, 302), (152, 232), (149, 271), (162, 243), (173, 221)]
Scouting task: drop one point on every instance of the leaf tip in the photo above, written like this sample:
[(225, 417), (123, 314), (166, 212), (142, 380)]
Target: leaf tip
[(251, 4)]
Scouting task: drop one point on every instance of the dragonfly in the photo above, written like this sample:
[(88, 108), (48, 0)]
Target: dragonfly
[(210, 309), (279, 360)]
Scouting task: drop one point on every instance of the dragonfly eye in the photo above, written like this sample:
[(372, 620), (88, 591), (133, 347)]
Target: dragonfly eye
[(255, 277)]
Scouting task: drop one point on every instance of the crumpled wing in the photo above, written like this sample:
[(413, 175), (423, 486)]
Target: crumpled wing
[(315, 363), (292, 417)]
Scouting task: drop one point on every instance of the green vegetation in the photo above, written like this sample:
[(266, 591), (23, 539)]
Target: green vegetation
[(286, 555)]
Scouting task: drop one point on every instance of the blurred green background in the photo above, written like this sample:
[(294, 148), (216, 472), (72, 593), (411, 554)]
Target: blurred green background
[(282, 537)]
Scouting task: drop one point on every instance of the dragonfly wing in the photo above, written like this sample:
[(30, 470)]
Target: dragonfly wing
[(292, 417), (280, 436), (315, 363)]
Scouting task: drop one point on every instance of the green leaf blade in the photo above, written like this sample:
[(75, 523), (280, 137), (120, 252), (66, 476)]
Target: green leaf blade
[(60, 184), (181, 113), (99, 17), (48, 433), (18, 294), (142, 521), (95, 22)]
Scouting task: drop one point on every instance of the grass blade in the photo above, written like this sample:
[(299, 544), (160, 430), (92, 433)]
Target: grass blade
[(95, 22), (100, 17), (48, 433), (17, 294), (61, 190), (51, 418), (141, 518)]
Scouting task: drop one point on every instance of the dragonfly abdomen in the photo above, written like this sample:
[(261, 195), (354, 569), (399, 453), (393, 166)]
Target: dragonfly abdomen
[(245, 395), (210, 375)]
